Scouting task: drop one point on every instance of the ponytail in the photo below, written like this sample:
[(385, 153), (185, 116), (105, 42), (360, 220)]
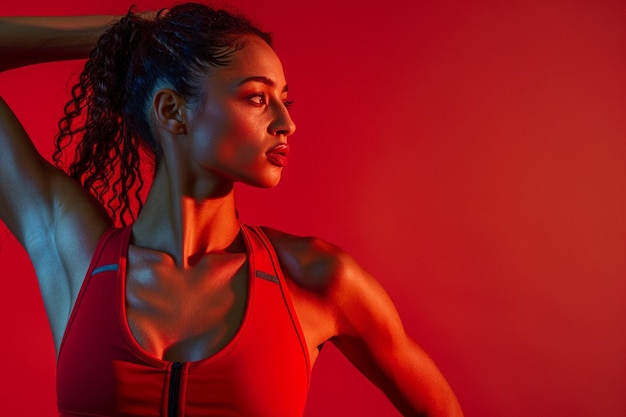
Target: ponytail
[(107, 156)]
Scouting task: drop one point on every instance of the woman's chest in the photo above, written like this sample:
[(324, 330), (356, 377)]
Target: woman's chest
[(185, 314)]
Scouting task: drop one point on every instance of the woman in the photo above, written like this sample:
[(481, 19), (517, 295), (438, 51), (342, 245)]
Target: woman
[(185, 311)]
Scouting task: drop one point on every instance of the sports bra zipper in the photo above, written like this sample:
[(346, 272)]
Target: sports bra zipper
[(174, 391)]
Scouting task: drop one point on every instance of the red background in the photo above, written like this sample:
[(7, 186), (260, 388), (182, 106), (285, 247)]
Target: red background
[(471, 155)]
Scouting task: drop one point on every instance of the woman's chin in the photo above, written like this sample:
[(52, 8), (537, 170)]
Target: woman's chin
[(266, 182)]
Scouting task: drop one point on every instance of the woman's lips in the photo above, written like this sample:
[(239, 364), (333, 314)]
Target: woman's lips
[(278, 155)]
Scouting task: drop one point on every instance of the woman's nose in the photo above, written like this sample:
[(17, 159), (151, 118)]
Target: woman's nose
[(283, 124)]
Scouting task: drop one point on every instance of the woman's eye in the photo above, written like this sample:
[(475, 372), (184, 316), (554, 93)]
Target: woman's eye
[(261, 99), (258, 98)]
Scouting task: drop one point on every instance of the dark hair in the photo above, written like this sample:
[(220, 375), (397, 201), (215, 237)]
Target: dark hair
[(131, 60)]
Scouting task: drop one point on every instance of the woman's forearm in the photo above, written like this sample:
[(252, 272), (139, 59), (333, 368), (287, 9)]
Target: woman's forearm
[(37, 39)]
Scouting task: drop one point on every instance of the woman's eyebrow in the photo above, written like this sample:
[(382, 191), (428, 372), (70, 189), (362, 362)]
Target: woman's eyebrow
[(260, 79)]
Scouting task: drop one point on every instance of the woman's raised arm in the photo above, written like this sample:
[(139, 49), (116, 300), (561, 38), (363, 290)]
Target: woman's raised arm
[(32, 192), (51, 215), (26, 40)]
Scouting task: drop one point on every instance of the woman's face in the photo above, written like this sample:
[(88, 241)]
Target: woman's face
[(240, 130)]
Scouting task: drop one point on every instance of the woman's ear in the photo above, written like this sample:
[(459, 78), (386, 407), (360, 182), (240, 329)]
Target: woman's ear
[(169, 111)]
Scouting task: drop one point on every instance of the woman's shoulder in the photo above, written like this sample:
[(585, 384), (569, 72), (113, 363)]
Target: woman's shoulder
[(310, 261)]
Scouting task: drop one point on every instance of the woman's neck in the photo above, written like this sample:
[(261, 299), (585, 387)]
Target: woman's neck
[(188, 223)]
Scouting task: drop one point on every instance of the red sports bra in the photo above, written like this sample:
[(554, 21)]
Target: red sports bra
[(102, 371)]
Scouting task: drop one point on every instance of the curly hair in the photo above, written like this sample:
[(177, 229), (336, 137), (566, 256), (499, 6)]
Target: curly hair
[(108, 110)]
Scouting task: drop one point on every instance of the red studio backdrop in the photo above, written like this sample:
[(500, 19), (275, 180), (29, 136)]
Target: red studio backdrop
[(470, 155)]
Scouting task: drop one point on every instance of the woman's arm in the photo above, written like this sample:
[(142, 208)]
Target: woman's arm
[(51, 215), (337, 300), (35, 197), (372, 337), (26, 40)]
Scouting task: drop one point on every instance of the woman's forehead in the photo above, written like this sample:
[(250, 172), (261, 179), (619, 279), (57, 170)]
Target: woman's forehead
[(255, 60)]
